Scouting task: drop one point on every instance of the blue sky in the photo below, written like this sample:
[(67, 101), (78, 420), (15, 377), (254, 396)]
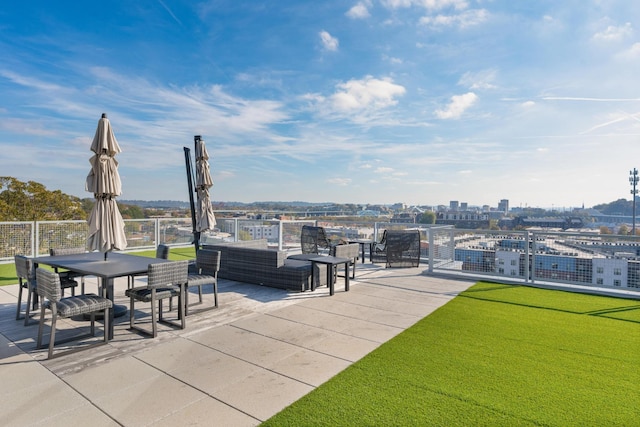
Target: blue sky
[(371, 101)]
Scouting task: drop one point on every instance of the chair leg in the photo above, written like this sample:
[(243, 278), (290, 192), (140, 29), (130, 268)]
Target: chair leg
[(19, 302), (153, 314), (93, 324), (40, 327), (200, 294), (105, 316), (52, 339), (26, 312)]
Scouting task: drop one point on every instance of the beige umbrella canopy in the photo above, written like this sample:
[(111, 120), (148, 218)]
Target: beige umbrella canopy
[(205, 218), (106, 226)]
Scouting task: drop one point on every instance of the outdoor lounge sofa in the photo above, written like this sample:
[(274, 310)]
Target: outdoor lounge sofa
[(253, 262), (398, 248)]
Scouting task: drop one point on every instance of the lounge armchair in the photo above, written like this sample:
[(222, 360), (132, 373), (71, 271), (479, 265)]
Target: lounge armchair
[(398, 248), (313, 240)]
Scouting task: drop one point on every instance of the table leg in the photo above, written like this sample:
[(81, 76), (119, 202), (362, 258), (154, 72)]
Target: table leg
[(313, 276), (346, 276), (330, 278), (108, 286)]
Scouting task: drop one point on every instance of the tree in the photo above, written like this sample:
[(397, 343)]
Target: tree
[(427, 217), (623, 230), (31, 201), (605, 230)]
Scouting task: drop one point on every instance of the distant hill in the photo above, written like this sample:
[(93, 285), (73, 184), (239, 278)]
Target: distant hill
[(618, 207), (156, 204)]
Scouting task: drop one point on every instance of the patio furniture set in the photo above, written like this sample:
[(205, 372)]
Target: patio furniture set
[(245, 261), (166, 280)]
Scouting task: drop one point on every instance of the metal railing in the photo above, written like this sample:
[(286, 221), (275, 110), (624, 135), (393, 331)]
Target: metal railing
[(582, 259)]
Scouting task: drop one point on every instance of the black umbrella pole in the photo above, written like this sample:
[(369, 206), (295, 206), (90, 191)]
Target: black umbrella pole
[(187, 160)]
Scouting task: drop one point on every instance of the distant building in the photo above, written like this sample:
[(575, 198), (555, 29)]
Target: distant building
[(405, 217), (262, 231), (454, 205), (503, 206)]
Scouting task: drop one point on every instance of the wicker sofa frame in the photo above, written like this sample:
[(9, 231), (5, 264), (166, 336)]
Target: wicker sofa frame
[(253, 262)]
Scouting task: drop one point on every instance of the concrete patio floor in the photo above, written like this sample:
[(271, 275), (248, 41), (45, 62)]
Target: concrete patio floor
[(237, 365)]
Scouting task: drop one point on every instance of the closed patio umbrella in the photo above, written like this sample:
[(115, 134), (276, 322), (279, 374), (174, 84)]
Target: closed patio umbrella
[(106, 226), (205, 218)]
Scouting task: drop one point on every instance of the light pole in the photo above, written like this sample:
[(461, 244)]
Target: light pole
[(633, 180)]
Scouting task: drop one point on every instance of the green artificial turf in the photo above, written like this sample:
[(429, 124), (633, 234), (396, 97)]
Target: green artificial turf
[(497, 355), (8, 271)]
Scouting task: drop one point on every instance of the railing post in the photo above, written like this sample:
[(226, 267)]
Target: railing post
[(235, 229), (533, 256), (431, 249), (527, 252), (35, 241)]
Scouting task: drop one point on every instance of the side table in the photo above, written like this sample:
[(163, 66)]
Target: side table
[(331, 262), (362, 243)]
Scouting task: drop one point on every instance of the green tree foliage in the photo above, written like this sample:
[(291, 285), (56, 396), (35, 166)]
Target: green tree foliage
[(31, 201), (131, 211), (427, 217)]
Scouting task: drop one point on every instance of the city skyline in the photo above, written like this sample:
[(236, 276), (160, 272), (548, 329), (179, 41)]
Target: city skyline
[(370, 101)]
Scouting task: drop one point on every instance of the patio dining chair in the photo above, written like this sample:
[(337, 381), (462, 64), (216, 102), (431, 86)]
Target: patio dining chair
[(350, 251), (162, 252), (27, 281), (204, 272), (66, 275), (165, 280), (50, 291)]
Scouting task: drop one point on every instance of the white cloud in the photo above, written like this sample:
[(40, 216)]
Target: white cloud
[(342, 182), (465, 19), (366, 93), (480, 80), (614, 33), (632, 53), (458, 105), (383, 169), (328, 41), (360, 10), (426, 4)]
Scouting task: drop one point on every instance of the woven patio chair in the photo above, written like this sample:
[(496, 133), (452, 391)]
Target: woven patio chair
[(398, 248), (313, 239), (162, 252), (66, 275), (27, 280), (50, 291), (166, 280), (204, 272)]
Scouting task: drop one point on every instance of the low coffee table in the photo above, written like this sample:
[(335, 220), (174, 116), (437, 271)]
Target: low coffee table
[(331, 262)]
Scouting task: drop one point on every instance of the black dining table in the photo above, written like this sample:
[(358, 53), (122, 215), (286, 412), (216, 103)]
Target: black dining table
[(106, 268)]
